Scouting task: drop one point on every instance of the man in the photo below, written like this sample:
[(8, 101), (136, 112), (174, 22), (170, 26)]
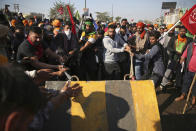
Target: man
[(162, 31), (98, 48), (34, 48), (189, 56), (113, 45), (123, 23), (142, 43), (176, 47), (124, 56), (166, 54), (88, 61), (150, 28), (19, 37), (66, 44), (22, 104)]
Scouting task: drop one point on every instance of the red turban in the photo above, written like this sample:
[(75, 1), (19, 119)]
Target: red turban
[(141, 24)]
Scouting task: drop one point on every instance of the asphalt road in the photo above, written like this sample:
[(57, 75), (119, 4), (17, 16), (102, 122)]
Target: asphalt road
[(171, 112)]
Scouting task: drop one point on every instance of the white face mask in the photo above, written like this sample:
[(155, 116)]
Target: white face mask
[(68, 33)]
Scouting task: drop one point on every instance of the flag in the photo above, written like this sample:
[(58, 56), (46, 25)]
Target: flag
[(189, 20), (60, 10), (72, 21), (77, 15)]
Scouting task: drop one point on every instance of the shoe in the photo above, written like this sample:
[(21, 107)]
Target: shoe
[(162, 88)]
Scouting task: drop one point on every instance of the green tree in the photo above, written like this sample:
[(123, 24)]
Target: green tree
[(103, 16), (118, 18), (147, 22), (54, 14)]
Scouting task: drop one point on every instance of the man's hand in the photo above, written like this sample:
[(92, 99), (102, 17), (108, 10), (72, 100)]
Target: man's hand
[(71, 91), (127, 48), (147, 51), (132, 54), (182, 60), (60, 72)]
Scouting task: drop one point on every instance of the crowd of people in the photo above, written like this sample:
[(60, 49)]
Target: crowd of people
[(34, 50)]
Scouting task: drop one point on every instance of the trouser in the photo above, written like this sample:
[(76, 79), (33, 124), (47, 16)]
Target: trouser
[(172, 68), (188, 78), (125, 67), (88, 70), (138, 68), (112, 71), (156, 79)]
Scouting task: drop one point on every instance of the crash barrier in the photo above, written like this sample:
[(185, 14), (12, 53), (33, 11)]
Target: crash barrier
[(107, 106)]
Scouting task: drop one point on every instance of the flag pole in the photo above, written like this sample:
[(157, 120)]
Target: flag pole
[(187, 99), (170, 30)]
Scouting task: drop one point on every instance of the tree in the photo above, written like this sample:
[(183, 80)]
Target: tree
[(148, 22), (118, 18), (54, 14), (103, 16)]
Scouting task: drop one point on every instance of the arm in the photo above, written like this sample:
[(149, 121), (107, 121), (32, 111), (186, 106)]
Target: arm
[(42, 65), (90, 41), (87, 44), (108, 46), (149, 55), (184, 56)]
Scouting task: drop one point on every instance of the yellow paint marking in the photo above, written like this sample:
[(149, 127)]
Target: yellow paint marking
[(88, 110), (145, 106)]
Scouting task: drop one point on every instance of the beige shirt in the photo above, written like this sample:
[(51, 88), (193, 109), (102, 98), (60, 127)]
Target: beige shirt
[(140, 42)]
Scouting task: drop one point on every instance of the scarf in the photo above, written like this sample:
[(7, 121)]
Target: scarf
[(180, 39), (142, 34), (39, 52)]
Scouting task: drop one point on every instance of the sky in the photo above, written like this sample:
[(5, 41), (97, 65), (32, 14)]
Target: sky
[(130, 9)]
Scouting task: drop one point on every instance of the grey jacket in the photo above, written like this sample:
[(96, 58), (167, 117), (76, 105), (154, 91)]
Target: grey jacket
[(112, 48)]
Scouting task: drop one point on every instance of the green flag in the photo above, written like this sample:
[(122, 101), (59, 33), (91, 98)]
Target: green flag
[(77, 15)]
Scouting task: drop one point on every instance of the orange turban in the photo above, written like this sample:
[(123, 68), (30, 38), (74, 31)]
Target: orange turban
[(156, 25), (170, 26), (141, 24), (56, 23), (13, 22), (25, 22), (30, 23)]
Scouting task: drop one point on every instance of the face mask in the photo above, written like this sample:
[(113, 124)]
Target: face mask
[(68, 33)]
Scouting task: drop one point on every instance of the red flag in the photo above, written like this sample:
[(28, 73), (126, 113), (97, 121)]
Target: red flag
[(189, 20), (60, 10), (72, 21)]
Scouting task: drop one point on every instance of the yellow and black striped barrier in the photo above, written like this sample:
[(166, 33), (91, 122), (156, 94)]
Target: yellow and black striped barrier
[(108, 106)]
